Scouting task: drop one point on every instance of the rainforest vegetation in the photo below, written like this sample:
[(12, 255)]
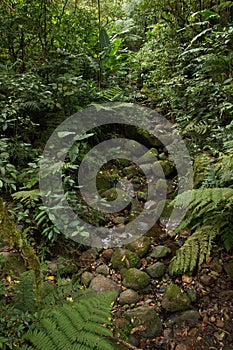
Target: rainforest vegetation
[(57, 58)]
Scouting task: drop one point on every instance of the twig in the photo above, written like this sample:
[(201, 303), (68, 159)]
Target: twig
[(123, 342), (216, 327)]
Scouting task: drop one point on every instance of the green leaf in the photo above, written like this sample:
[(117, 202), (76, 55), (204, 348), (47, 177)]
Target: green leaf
[(62, 134), (104, 39)]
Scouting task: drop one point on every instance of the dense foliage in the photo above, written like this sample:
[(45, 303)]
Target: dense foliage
[(57, 57)]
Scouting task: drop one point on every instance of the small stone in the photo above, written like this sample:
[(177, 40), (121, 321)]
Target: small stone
[(216, 266), (207, 280), (101, 284), (129, 296), (192, 294), (119, 220), (131, 171), (156, 270), (107, 254), (142, 196), (182, 347), (160, 252), (147, 318), (136, 279), (140, 246), (103, 270), (175, 299), (86, 278)]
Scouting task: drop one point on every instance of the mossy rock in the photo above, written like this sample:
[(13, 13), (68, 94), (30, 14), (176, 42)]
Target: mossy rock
[(175, 299), (156, 270), (149, 157), (124, 258), (167, 166), (146, 317), (105, 180), (136, 279), (140, 246)]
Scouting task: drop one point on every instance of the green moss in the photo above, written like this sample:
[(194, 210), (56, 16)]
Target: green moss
[(16, 239), (136, 279), (124, 258)]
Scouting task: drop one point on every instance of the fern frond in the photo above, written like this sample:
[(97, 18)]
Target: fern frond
[(25, 293), (32, 195), (194, 251), (76, 326)]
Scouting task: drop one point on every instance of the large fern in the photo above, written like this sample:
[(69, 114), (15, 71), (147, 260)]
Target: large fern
[(74, 326), (209, 215)]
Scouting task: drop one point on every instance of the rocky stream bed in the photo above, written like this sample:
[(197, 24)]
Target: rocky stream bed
[(153, 308)]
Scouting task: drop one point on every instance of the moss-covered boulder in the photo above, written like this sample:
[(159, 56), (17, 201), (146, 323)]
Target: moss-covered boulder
[(156, 270), (136, 279), (124, 258), (175, 299), (146, 317), (140, 246)]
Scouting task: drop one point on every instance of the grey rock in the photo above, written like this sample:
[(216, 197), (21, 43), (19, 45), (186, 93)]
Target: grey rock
[(129, 296), (156, 270), (146, 317), (86, 278), (186, 316), (103, 269), (101, 284), (160, 252)]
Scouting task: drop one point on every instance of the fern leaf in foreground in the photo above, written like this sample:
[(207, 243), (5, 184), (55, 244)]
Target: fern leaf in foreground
[(209, 215), (194, 251), (74, 327)]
